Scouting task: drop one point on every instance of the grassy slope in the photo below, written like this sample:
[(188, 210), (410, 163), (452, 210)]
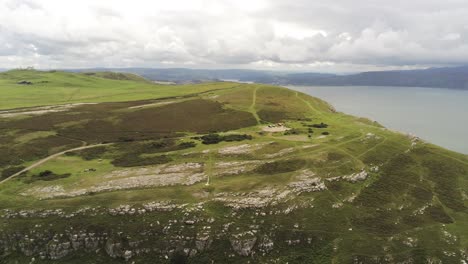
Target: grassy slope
[(381, 215), (51, 88)]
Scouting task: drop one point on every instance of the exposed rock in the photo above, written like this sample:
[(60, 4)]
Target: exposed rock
[(127, 255), (189, 222), (39, 110), (57, 250), (239, 149), (162, 179), (306, 182), (114, 248), (203, 241), (280, 153), (235, 167), (255, 199), (266, 244), (355, 177), (243, 243)]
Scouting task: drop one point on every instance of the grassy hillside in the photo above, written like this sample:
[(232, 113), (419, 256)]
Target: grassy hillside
[(223, 172), (56, 87)]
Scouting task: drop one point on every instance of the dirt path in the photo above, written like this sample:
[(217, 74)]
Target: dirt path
[(309, 105), (44, 160), (209, 168), (252, 106)]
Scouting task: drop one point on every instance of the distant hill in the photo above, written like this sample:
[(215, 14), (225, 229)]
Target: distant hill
[(183, 75), (117, 76), (452, 78)]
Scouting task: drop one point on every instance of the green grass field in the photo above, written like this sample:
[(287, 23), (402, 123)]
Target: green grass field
[(411, 205), (52, 88)]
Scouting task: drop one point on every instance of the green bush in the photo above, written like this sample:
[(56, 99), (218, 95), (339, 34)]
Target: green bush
[(189, 144), (236, 137), (46, 175), (216, 138), (321, 125), (211, 139), (132, 160)]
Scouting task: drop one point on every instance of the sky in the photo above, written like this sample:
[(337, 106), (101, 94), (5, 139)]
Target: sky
[(288, 35)]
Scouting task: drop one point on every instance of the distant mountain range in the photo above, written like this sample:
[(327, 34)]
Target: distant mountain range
[(452, 78)]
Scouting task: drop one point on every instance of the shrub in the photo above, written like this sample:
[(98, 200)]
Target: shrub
[(189, 144), (216, 138), (132, 160), (292, 132), (236, 137), (321, 125), (211, 139), (47, 175)]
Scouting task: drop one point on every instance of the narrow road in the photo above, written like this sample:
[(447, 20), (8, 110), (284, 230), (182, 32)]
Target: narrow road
[(44, 160)]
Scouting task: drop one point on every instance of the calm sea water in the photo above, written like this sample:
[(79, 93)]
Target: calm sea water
[(439, 116)]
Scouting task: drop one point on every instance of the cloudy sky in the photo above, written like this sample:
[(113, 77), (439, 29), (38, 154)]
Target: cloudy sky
[(298, 35)]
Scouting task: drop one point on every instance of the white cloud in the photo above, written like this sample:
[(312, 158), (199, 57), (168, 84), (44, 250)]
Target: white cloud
[(276, 34)]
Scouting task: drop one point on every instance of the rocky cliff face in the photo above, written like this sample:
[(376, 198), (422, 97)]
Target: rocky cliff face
[(163, 230), (166, 232)]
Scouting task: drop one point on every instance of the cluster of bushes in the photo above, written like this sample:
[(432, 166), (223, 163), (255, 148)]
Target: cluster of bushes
[(216, 138), (132, 160), (321, 125), (46, 175), (164, 145), (153, 146), (293, 131), (185, 145)]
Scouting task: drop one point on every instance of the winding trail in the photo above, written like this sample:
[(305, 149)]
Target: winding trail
[(209, 170), (252, 106), (44, 160), (309, 105)]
